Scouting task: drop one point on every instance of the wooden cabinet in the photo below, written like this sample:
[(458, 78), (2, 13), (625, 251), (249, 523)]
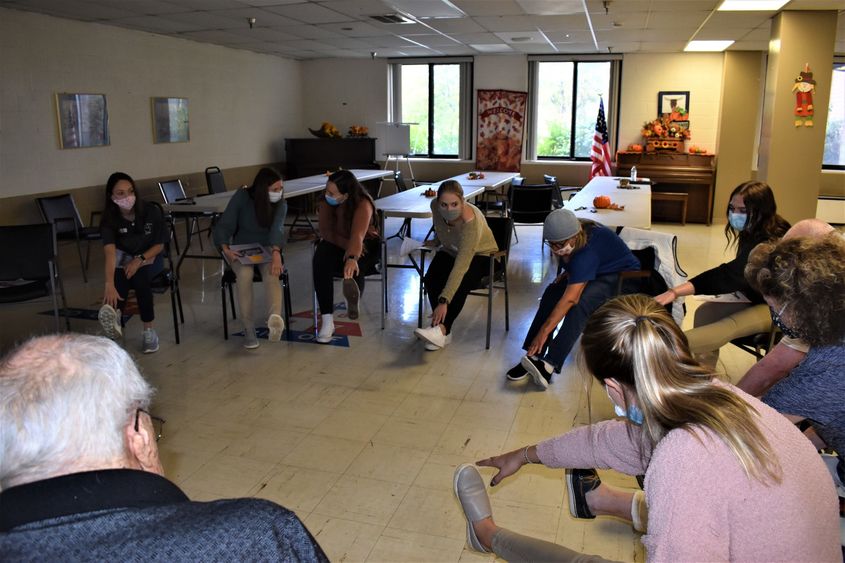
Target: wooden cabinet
[(306, 157), (693, 174)]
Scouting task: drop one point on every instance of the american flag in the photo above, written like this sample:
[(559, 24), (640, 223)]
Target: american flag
[(600, 153)]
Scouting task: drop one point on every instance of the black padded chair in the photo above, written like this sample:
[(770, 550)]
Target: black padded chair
[(167, 280), (530, 204), (28, 252), (570, 191), (760, 344), (214, 180), (229, 279), (496, 278), (61, 210), (173, 192), (401, 186)]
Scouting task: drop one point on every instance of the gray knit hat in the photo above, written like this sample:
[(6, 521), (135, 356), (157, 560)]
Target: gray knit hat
[(560, 224)]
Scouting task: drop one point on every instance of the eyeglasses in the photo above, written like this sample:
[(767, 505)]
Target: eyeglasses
[(158, 423), (555, 244)]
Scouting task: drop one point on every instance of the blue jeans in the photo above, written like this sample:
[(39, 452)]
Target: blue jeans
[(559, 345)]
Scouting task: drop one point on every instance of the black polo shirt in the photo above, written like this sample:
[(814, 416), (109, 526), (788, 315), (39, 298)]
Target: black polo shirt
[(138, 236)]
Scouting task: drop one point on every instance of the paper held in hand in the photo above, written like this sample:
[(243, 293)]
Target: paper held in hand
[(251, 254)]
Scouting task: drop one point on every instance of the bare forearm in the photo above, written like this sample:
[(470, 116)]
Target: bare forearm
[(772, 368), (110, 260)]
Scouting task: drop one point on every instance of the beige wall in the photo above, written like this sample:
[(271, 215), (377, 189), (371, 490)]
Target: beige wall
[(242, 104)]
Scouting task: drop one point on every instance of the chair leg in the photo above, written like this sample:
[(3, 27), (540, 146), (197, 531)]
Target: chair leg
[(53, 295), (507, 304), (232, 301), (225, 316), (179, 301), (420, 305), (287, 303), (489, 302), (87, 256), (173, 307), (81, 261)]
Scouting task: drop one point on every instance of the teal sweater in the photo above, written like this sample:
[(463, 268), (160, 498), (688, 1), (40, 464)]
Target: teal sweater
[(239, 224)]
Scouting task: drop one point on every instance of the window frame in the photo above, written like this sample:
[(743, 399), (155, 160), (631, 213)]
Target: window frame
[(464, 104), (611, 104), (837, 61)]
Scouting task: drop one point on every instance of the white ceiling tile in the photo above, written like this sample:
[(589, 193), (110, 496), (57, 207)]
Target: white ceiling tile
[(551, 7), (426, 8), (354, 29), (749, 46), (205, 20), (346, 43), (392, 41), (626, 20), (344, 54), (662, 46), (815, 5), (577, 49), (534, 48), (477, 38), (309, 13), (215, 36), (569, 37), (400, 27), (489, 7), (741, 19), (432, 40), (619, 47), (507, 23), (263, 18), (492, 48), (664, 35), (717, 34), (268, 2), (515, 38), (306, 44), (81, 10), (155, 24), (308, 31), (266, 34), (457, 25), (146, 7), (358, 7), (414, 51), (676, 19), (623, 35), (455, 49), (206, 4), (561, 23)]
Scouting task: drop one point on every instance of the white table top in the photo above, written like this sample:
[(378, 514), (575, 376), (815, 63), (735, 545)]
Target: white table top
[(491, 180), (637, 203), (412, 204), (216, 203)]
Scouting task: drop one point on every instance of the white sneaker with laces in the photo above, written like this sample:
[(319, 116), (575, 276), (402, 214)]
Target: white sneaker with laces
[(275, 324), (324, 335), (110, 321), (432, 335), (149, 343), (434, 347)]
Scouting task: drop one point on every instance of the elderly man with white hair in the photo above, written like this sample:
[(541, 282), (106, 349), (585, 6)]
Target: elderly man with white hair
[(81, 479)]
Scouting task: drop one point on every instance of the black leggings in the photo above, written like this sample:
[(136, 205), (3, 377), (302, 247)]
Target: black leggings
[(328, 264), (438, 274), (141, 283)]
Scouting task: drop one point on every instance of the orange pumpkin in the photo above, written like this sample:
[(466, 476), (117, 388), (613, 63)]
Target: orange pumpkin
[(601, 202)]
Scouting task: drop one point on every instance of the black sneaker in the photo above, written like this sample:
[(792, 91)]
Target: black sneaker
[(517, 373), (536, 368), (579, 482)]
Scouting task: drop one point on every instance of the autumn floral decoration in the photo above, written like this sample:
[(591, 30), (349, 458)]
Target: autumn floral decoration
[(665, 128)]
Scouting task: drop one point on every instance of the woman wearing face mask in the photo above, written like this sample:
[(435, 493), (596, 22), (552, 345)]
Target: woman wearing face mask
[(460, 232), (591, 257), (348, 247), (134, 234), (256, 215), (727, 478), (752, 219)]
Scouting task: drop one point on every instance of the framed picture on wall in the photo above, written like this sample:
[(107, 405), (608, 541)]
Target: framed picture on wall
[(170, 120), (670, 102), (83, 120)]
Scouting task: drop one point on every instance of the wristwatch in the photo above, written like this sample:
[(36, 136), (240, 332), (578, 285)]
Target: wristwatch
[(443, 301), (351, 258), (141, 257)]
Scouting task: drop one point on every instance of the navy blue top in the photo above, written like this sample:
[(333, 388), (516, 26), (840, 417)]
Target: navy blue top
[(604, 253)]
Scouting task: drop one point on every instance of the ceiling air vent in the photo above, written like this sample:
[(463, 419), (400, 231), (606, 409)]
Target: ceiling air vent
[(392, 18)]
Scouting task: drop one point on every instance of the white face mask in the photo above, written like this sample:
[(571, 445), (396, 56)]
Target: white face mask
[(565, 251), (125, 203), (275, 197)]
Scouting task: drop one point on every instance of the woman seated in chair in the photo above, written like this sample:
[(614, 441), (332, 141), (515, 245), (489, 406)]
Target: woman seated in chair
[(727, 478), (134, 234), (461, 232), (348, 247), (592, 257), (752, 219), (256, 215)]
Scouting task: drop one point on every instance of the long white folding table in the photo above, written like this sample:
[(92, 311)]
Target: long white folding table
[(216, 203), (492, 180), (410, 204), (636, 199)]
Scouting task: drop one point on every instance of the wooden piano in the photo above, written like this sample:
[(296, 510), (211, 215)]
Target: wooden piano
[(693, 174)]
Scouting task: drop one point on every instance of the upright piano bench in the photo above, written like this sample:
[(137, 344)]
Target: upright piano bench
[(673, 196)]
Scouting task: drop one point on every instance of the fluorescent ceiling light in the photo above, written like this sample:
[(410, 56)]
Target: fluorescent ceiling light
[(714, 46), (751, 5)]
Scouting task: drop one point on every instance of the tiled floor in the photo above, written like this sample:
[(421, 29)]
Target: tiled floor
[(362, 441)]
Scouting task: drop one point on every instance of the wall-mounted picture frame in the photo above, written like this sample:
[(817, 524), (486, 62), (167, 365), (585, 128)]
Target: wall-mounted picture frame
[(170, 120), (83, 120), (668, 102)]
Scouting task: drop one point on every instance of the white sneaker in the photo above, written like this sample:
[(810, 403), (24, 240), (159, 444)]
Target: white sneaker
[(324, 336), (250, 339), (110, 321), (432, 335), (276, 324), (434, 347)]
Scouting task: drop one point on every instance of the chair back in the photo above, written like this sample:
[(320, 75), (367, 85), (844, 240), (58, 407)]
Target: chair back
[(557, 199), (58, 207), (502, 228), (401, 185), (26, 252), (172, 190), (518, 181), (531, 203), (214, 180)]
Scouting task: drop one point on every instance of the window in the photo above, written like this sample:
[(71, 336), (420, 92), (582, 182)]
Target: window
[(834, 141), (564, 104), (435, 95)]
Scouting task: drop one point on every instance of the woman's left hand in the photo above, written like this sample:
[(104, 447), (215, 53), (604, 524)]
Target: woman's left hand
[(276, 267), (350, 269), (132, 268), (439, 314)]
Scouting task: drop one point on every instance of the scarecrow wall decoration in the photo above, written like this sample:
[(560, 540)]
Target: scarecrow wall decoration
[(803, 88)]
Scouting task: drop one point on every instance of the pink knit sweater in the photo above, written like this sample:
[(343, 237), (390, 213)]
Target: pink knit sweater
[(702, 506)]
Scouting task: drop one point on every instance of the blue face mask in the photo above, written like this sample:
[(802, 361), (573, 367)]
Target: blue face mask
[(332, 201), (737, 220), (634, 414)]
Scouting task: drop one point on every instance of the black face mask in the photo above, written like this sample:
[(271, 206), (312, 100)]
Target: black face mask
[(788, 332)]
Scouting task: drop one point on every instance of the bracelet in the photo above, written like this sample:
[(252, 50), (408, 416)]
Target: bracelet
[(525, 454), (277, 250)]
